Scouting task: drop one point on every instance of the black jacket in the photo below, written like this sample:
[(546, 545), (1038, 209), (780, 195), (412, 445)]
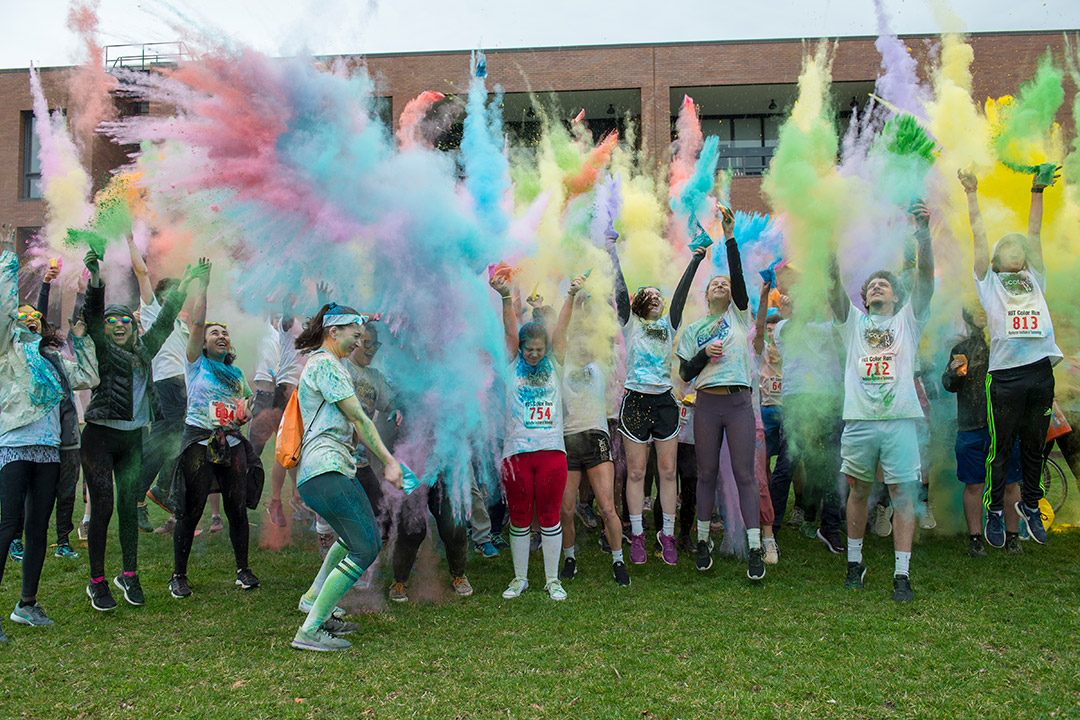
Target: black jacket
[(113, 397), (970, 389)]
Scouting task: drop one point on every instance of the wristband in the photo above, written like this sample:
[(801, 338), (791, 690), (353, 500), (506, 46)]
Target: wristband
[(1037, 190)]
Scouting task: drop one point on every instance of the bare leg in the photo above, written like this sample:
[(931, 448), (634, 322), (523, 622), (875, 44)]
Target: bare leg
[(637, 457), (566, 512), (666, 456), (856, 507), (973, 507), (602, 480), (903, 497)]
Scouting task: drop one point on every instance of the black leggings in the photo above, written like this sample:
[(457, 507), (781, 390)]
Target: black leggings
[(31, 488), (163, 444), (199, 477), (106, 453), (412, 529), (65, 496), (1019, 401)]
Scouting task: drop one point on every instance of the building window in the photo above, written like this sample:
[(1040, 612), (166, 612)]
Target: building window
[(746, 141), (31, 184)]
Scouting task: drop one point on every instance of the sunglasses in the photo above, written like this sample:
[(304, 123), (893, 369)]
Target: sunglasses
[(372, 345), (23, 315), (113, 319)]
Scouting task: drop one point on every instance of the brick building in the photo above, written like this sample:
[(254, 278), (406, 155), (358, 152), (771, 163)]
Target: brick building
[(742, 89)]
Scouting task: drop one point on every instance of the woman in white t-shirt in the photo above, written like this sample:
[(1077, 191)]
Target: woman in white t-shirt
[(1011, 283), (534, 454)]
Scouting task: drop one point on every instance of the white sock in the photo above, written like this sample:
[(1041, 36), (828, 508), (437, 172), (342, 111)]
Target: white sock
[(519, 549), (550, 545), (703, 530), (854, 549), (635, 525), (903, 560), (86, 517), (568, 552), (669, 524), (753, 537), (616, 556)]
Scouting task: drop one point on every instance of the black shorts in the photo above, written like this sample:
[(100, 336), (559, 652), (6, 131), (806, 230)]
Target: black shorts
[(586, 450), (645, 417)]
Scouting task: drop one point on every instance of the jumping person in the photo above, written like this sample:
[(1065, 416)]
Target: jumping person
[(534, 452), (1011, 283), (121, 407), (881, 407), (326, 475), (715, 354)]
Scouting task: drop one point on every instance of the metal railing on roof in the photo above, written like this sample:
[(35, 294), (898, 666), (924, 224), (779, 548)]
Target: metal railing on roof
[(146, 56)]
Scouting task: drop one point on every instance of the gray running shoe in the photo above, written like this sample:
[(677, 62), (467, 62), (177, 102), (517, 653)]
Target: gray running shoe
[(337, 627), (319, 641), (30, 615)]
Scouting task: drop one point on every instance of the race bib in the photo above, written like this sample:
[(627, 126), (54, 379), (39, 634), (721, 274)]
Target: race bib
[(771, 387), (1026, 323), (222, 414), (539, 414), (685, 414), (878, 369)]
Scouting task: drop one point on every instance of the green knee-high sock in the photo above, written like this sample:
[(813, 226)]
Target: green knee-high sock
[(334, 555), (340, 579)]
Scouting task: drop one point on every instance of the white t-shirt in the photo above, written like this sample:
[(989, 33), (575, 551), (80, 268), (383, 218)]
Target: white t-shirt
[(731, 328), (534, 408), (810, 358), (292, 360), (1021, 331), (648, 355), (328, 434), (172, 357), (882, 351), (266, 370), (585, 397)]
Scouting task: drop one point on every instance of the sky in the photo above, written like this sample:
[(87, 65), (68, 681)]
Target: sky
[(36, 31)]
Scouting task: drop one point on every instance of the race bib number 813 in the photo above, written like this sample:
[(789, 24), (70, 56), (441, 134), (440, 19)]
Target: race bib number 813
[(1024, 324)]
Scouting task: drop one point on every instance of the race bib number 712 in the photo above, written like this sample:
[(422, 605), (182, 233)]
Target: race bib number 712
[(878, 369)]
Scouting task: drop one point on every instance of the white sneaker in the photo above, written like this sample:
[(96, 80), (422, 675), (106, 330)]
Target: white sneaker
[(927, 521), (772, 551), (306, 605), (882, 522), (517, 586), (555, 589)]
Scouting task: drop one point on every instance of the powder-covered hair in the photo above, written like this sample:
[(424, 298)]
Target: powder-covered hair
[(311, 339), (533, 331), (1007, 240), (894, 281), (639, 304)]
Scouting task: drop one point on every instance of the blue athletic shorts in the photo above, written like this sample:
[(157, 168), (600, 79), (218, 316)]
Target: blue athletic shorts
[(971, 449)]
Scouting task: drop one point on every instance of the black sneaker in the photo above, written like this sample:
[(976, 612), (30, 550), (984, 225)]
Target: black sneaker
[(1034, 522), (856, 571), (832, 540), (755, 563), (144, 519), (499, 543), (704, 554), (902, 591), (569, 569), (246, 579), (100, 597), (994, 529), (178, 587), (1012, 545), (618, 569), (131, 588), (685, 544), (976, 547), (605, 546)]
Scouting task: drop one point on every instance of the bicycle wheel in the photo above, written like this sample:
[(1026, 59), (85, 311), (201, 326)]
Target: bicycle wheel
[(1055, 488)]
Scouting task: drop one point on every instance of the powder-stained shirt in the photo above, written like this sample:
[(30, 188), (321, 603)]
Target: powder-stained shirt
[(810, 357), (731, 329), (328, 435), (172, 357), (213, 391), (1021, 331), (375, 395), (882, 351), (534, 407), (585, 397), (648, 355)]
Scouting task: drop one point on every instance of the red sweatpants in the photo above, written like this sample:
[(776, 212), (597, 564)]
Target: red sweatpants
[(534, 480)]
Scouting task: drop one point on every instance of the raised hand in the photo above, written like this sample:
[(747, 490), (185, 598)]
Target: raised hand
[(727, 221), (968, 180), (576, 284), (501, 284), (92, 262), (1043, 178), (52, 272), (920, 213)]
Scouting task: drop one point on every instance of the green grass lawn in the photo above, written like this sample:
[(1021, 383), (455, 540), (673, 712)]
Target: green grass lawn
[(994, 638)]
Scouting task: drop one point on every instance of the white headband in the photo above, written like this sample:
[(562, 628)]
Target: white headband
[(343, 319)]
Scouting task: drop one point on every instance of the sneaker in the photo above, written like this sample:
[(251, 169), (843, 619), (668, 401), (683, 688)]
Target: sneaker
[(397, 592), (637, 549), (301, 512), (772, 551), (555, 589), (326, 541), (499, 543), (534, 542), (976, 548), (215, 524), (1034, 522), (856, 571), (685, 544), (994, 529), (143, 517), (305, 606), (668, 550), (156, 496), (618, 569), (487, 549), (517, 586), (646, 504), (277, 517), (585, 512), (129, 585), (84, 530), (703, 554), (3, 637), (166, 527), (716, 523), (797, 517), (881, 524), (178, 587), (755, 564), (902, 591), (461, 586), (569, 568), (1013, 546), (318, 640), (246, 579), (338, 627), (627, 533), (100, 597), (1024, 533), (16, 550), (605, 546), (63, 550), (832, 540), (927, 521), (30, 615), (809, 530)]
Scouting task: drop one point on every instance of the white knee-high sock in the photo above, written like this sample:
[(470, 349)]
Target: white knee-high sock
[(519, 549), (551, 545)]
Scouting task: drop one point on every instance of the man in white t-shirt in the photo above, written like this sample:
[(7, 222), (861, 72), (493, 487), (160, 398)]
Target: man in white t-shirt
[(881, 406)]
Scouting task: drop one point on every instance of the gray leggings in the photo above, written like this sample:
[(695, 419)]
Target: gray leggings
[(717, 417)]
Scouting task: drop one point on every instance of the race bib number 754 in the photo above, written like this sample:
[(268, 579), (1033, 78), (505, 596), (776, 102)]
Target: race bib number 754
[(878, 369), (539, 414)]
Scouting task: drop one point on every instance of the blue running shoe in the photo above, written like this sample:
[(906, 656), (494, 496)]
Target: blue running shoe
[(994, 530), (1033, 517), (16, 550), (487, 549)]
